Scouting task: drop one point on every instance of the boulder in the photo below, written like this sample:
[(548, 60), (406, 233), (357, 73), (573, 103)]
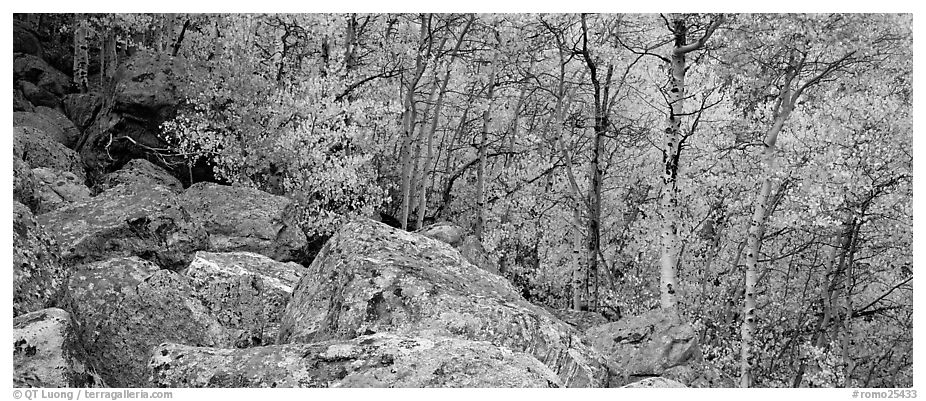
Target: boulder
[(468, 245), (55, 189), (580, 320), (245, 291), (82, 108), (24, 184), (47, 353), (37, 96), (445, 232), (20, 103), (700, 374), (38, 274), (647, 345), (246, 219), (656, 382), (147, 84), (379, 360), (141, 171), (25, 40), (123, 307), (40, 150), (67, 127), (371, 278), (147, 221), (44, 123), (34, 69)]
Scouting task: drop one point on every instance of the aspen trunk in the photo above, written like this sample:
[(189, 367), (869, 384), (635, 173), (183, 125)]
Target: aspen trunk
[(483, 143), (756, 229), (409, 122)]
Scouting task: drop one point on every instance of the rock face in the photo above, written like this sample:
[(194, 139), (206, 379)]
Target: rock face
[(35, 70), (656, 382), (371, 278), (125, 306), (468, 245), (141, 171), (40, 150), (24, 184), (647, 345), (46, 352), (246, 219), (379, 360), (38, 274), (55, 189), (69, 131), (147, 221), (245, 291)]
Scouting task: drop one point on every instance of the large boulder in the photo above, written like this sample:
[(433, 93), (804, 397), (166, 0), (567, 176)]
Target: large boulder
[(371, 278), (34, 69), (20, 103), (37, 96), (468, 245), (82, 108), (41, 120), (581, 320), (41, 150), (24, 184), (246, 219), (245, 291), (47, 353), (67, 127), (127, 122), (55, 189), (647, 345), (141, 171), (25, 39), (147, 221), (38, 274), (123, 307), (379, 360), (147, 84)]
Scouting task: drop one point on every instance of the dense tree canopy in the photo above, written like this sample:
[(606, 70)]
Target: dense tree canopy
[(730, 166)]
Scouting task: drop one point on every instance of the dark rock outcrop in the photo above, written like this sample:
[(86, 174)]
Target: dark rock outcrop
[(647, 345), (20, 103), (25, 40), (40, 150), (128, 125), (147, 221), (55, 189), (371, 278), (123, 307), (141, 171), (34, 69), (38, 274), (380, 360), (47, 353), (244, 291), (246, 219), (36, 96)]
